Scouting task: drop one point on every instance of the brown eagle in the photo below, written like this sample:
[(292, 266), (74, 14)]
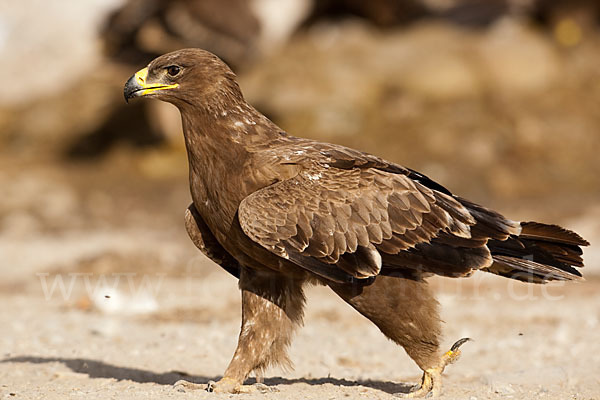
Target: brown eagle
[(280, 212)]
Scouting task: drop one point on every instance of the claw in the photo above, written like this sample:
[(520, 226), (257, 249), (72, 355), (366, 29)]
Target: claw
[(452, 355), (431, 383), (459, 343)]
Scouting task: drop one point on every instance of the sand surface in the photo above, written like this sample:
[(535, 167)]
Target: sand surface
[(127, 324)]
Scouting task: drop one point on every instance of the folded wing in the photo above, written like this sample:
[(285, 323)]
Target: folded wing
[(362, 221)]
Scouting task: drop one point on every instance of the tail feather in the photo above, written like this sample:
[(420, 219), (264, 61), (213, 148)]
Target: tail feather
[(540, 253), (564, 253), (551, 233), (531, 271)]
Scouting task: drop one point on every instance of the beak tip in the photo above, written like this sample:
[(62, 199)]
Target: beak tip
[(130, 89)]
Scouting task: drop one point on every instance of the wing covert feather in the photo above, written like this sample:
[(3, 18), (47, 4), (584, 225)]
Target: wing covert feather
[(347, 217)]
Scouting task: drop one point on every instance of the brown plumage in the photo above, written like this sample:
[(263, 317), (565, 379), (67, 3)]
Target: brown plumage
[(278, 212)]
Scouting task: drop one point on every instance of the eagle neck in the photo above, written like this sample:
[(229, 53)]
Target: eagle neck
[(225, 128), (221, 144), (205, 136)]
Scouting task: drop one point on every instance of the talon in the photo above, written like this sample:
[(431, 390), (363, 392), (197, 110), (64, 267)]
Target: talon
[(452, 355), (459, 343)]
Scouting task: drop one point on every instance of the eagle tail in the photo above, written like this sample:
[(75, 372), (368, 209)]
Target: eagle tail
[(540, 253)]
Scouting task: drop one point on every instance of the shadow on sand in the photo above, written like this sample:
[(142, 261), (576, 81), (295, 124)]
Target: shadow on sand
[(99, 369)]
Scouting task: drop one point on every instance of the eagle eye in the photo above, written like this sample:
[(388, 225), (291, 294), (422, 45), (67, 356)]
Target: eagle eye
[(173, 70)]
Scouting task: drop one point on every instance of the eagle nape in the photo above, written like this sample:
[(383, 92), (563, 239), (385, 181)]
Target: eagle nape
[(280, 213)]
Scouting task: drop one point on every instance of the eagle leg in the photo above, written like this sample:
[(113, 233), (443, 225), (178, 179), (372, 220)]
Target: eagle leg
[(431, 383), (272, 307), (405, 311)]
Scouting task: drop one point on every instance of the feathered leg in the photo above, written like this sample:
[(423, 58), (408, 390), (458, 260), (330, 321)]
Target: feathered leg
[(272, 307), (407, 313)]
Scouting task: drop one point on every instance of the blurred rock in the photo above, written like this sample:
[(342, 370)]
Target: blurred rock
[(165, 120), (51, 123), (162, 163), (125, 124), (279, 20), (19, 224), (47, 46), (433, 61), (142, 30), (380, 12), (32, 200), (389, 13), (518, 58), (242, 31), (572, 22)]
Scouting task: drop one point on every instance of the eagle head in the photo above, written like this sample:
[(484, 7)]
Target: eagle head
[(187, 76)]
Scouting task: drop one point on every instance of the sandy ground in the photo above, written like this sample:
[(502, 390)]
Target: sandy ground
[(139, 309)]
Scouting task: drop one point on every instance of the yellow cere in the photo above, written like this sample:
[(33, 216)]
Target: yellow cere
[(141, 76)]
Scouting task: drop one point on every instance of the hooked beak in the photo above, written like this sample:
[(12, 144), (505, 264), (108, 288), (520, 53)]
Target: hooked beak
[(137, 86)]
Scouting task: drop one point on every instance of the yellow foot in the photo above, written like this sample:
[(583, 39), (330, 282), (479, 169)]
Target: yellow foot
[(431, 383)]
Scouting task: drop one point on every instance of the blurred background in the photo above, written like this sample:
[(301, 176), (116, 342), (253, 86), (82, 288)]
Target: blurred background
[(498, 100)]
